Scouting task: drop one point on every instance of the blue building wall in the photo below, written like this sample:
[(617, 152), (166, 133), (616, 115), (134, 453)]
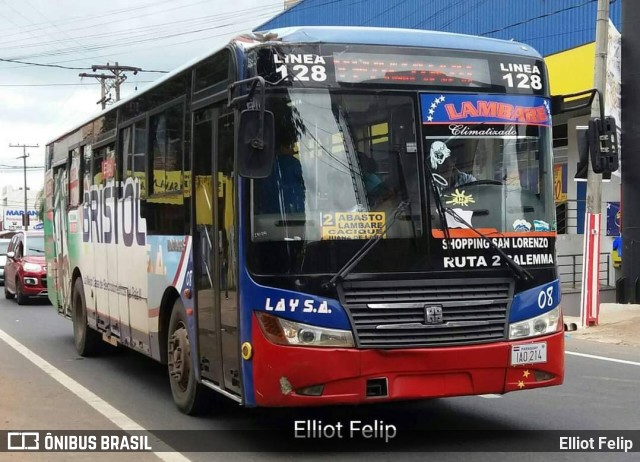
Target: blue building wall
[(550, 26)]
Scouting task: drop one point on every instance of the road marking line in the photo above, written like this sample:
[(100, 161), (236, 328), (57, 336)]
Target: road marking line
[(490, 396), (100, 405), (603, 358)]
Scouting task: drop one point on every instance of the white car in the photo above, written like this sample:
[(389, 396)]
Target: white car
[(4, 243)]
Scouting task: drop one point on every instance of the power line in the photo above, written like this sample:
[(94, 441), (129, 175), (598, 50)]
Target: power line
[(206, 37), (106, 14), (62, 84), (140, 32), (65, 67), (573, 7)]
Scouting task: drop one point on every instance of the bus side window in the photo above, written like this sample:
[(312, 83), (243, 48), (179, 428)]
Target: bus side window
[(167, 150), (125, 148), (75, 185), (134, 154), (86, 170), (167, 206), (103, 168)]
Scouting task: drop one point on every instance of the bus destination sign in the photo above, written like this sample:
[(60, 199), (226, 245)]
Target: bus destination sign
[(411, 69), (333, 65)]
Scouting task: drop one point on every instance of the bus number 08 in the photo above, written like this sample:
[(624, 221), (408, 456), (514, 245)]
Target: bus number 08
[(545, 298)]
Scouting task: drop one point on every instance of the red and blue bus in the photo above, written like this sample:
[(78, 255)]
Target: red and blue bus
[(319, 215)]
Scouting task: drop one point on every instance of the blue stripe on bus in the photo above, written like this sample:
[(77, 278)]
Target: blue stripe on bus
[(536, 301), (244, 284)]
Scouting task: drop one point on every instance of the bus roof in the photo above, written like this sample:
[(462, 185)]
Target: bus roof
[(344, 35), (399, 37)]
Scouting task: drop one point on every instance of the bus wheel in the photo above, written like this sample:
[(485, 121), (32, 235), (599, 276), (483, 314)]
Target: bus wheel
[(191, 397), (87, 340), (21, 298)]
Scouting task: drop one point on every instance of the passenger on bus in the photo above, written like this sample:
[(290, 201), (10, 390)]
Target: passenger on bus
[(377, 189)]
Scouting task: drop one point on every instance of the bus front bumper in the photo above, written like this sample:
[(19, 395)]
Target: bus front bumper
[(285, 376)]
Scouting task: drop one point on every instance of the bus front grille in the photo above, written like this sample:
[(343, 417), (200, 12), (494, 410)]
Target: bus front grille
[(419, 313)]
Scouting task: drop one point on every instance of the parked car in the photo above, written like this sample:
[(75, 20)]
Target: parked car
[(4, 245), (25, 272)]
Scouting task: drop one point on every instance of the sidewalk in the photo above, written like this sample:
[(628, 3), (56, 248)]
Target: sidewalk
[(618, 324)]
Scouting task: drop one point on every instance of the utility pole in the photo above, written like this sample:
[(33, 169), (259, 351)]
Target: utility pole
[(103, 86), (590, 303), (25, 217), (117, 75)]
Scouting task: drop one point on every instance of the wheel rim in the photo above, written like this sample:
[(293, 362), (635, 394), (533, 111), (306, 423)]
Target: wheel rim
[(179, 356)]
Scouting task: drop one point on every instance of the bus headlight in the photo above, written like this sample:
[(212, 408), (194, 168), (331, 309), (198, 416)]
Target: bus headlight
[(284, 332), (547, 323)]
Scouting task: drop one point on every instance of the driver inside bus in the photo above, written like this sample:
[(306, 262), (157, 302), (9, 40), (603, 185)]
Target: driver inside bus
[(284, 190), (444, 169)]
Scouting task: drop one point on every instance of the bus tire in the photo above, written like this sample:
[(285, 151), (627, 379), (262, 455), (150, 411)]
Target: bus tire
[(191, 397), (87, 341)]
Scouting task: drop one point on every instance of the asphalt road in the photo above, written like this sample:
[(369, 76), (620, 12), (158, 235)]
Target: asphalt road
[(597, 395)]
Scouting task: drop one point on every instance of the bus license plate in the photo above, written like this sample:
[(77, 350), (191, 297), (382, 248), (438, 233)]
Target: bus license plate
[(530, 353)]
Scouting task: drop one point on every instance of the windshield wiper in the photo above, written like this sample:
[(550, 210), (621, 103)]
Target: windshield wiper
[(518, 270), (365, 249), (36, 250), (440, 208)]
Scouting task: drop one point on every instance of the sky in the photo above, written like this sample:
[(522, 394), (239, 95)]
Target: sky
[(39, 103)]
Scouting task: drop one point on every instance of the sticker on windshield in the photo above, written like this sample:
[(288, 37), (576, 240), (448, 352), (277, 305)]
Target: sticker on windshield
[(459, 198), (438, 153), (484, 115), (352, 225), (539, 225), (453, 222), (521, 226)]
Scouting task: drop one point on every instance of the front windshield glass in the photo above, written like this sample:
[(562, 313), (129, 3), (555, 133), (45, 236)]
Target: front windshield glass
[(35, 245), (494, 175), (344, 162), (4, 245)]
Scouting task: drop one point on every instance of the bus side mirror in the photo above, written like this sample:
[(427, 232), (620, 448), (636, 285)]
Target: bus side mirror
[(256, 151)]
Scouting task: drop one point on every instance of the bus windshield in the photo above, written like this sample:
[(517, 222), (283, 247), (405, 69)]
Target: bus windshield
[(345, 161), (343, 164), (495, 182)]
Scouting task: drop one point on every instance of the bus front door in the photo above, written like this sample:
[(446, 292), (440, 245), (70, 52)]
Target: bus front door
[(214, 253)]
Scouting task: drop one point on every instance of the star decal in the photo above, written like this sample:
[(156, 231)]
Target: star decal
[(526, 374), (520, 384), (434, 105)]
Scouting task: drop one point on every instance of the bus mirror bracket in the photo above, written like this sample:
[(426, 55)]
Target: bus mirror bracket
[(255, 141), (576, 101)]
